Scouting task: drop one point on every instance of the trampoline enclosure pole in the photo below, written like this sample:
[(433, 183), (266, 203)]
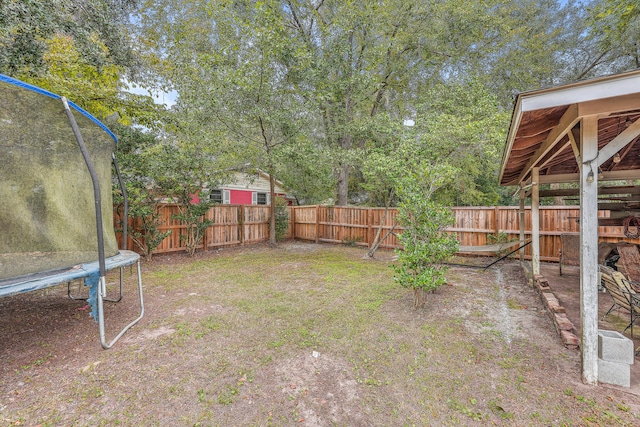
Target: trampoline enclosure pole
[(96, 186)]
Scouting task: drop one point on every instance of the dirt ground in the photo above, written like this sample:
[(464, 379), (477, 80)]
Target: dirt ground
[(305, 334)]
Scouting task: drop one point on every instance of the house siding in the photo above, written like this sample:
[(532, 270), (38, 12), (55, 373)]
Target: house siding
[(258, 183)]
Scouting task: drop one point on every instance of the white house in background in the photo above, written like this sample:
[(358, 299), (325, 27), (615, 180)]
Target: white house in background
[(247, 189)]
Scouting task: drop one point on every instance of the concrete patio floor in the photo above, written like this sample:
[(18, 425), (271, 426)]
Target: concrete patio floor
[(567, 290)]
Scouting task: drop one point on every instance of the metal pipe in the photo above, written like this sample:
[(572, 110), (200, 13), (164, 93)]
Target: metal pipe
[(94, 180), (125, 213)]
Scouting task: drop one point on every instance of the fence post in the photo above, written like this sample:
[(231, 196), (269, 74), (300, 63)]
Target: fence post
[(496, 221), (292, 221), (241, 224), (521, 222), (369, 220), (317, 222), (205, 240)]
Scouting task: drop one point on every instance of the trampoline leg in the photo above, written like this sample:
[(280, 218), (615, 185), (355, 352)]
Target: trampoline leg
[(86, 298), (102, 291)]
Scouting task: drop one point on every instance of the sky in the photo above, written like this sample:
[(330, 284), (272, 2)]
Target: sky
[(166, 98)]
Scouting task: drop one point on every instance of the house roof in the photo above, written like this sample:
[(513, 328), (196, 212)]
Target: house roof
[(545, 129)]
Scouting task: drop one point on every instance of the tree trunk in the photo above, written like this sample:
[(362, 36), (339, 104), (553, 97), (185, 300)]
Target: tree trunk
[(557, 201), (343, 185), (272, 210)]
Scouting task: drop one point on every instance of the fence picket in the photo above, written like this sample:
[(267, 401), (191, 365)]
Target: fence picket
[(240, 224)]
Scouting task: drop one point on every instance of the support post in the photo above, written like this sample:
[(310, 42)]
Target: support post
[(535, 220), (241, 236), (292, 222), (369, 228), (589, 248), (317, 223), (521, 222)]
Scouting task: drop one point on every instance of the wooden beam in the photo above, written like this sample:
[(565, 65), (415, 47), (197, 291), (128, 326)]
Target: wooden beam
[(574, 144), (619, 142), (521, 221), (606, 176), (618, 206), (589, 252), (607, 106), (566, 192), (535, 222), (613, 222), (615, 86), (566, 123), (624, 214), (555, 153)]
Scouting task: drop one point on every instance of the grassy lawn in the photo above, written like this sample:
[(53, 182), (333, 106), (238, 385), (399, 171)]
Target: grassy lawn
[(309, 335)]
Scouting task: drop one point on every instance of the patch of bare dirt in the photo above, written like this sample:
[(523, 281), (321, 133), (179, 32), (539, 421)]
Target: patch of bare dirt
[(278, 350)]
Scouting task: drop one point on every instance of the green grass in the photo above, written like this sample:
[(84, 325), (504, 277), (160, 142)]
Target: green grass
[(273, 337)]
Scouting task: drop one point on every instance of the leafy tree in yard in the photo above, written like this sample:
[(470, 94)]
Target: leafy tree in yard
[(307, 89), (76, 48), (460, 123), (134, 154), (181, 173), (425, 243), (193, 215), (27, 25), (616, 25), (456, 126), (95, 88), (306, 170), (237, 79), (282, 218)]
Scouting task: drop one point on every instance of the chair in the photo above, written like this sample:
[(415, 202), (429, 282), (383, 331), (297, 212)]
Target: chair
[(622, 294), (570, 250), (629, 261)]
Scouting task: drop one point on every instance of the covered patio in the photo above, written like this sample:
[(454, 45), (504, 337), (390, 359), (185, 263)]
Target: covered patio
[(566, 289), (585, 135)]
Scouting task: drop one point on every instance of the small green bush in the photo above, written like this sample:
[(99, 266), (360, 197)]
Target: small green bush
[(282, 218), (426, 244)]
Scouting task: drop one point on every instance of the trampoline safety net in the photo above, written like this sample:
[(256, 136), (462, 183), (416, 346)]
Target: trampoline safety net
[(47, 208)]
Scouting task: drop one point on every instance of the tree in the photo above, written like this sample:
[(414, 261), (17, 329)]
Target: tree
[(98, 89), (325, 81), (135, 157), (240, 60), (461, 124), (182, 173), (359, 54), (425, 242), (616, 27), (77, 49), (306, 169), (282, 218)]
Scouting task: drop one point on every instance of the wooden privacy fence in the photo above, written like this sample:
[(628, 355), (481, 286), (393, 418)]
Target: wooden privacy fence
[(232, 225), (473, 225), (334, 224), (242, 224)]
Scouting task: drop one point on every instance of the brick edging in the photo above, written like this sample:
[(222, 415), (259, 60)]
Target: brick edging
[(557, 312)]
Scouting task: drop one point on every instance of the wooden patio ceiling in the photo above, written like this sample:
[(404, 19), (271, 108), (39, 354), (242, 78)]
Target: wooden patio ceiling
[(574, 133), (545, 131)]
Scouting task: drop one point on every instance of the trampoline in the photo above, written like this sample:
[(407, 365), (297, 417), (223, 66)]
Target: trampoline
[(56, 215)]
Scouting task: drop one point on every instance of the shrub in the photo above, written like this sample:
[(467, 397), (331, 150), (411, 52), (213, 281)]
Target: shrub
[(426, 244), (193, 215), (282, 218)]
